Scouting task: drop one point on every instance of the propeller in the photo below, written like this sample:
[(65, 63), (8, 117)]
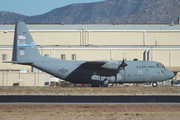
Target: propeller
[(116, 79), (122, 65)]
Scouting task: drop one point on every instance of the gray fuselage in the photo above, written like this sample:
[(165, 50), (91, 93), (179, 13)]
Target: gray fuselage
[(77, 72)]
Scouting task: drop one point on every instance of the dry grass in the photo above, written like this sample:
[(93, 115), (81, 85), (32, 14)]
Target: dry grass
[(89, 112), (121, 90)]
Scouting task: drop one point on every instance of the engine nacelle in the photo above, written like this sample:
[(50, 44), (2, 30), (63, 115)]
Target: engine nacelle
[(106, 80), (111, 65), (98, 80)]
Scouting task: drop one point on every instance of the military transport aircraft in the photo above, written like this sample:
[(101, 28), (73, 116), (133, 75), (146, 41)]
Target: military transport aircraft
[(96, 73)]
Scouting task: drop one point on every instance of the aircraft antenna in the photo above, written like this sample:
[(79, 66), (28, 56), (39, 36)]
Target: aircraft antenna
[(125, 56)]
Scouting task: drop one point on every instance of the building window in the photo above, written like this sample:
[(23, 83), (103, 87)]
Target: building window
[(73, 57), (46, 55), (4, 56), (63, 56)]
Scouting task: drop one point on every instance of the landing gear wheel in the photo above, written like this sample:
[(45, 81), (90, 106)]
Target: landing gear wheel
[(95, 85), (154, 84), (104, 85)]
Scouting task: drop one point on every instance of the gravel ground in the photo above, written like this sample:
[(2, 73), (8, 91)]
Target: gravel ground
[(119, 90), (90, 112)]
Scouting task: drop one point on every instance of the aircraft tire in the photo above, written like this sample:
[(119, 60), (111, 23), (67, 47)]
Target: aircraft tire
[(104, 85), (94, 85), (154, 84)]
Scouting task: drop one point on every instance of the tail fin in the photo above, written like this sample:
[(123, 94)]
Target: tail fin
[(24, 48)]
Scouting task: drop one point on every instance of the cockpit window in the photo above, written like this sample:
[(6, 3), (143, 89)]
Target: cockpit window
[(161, 71), (159, 65)]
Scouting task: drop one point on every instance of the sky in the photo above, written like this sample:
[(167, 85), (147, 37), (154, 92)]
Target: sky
[(36, 7)]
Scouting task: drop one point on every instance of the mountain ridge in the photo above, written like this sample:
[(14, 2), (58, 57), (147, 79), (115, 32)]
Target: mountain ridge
[(105, 12)]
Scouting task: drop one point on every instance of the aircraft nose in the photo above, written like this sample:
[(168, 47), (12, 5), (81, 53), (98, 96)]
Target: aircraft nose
[(170, 74)]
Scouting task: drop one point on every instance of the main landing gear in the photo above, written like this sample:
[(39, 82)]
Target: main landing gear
[(104, 85), (154, 84), (97, 85)]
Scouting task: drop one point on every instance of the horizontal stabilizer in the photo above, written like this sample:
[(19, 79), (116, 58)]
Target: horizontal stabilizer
[(17, 62)]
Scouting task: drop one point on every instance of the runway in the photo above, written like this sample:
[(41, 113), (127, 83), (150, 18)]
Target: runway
[(87, 99)]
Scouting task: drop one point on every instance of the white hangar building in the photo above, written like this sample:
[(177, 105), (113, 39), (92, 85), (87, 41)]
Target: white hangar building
[(153, 42)]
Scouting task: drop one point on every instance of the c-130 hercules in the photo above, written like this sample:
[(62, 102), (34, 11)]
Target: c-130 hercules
[(96, 73)]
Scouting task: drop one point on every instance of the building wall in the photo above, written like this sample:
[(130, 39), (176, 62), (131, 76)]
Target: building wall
[(98, 37), (10, 66), (127, 54), (92, 45), (6, 38), (57, 38), (116, 38), (83, 54), (24, 79), (176, 55), (162, 56), (162, 38)]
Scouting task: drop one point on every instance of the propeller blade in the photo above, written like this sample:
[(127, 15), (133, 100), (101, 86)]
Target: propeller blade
[(122, 65), (116, 78)]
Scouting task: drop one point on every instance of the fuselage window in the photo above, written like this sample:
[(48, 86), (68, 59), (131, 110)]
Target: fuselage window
[(161, 71)]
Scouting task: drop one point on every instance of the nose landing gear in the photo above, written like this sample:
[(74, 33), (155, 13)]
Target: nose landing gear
[(154, 84)]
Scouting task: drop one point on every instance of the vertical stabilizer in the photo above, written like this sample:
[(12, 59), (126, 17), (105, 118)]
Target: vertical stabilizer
[(24, 48)]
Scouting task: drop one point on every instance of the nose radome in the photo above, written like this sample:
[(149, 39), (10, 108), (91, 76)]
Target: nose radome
[(170, 74)]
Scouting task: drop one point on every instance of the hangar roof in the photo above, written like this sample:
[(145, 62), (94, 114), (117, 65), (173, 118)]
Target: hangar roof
[(95, 27)]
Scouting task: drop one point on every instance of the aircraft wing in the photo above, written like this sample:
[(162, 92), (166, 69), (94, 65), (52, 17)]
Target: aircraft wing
[(113, 65), (93, 64)]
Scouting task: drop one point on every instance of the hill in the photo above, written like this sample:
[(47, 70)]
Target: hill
[(10, 17), (106, 12)]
